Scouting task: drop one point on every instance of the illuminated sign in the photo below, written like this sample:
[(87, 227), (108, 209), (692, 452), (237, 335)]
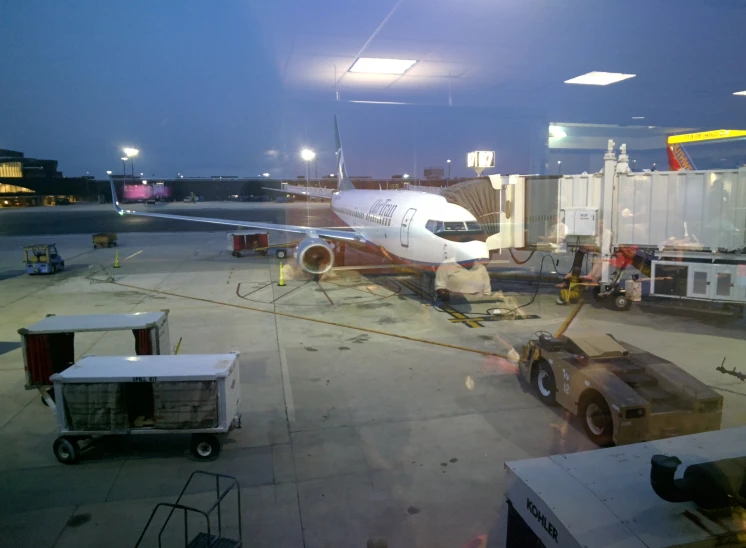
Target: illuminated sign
[(480, 159), (706, 136)]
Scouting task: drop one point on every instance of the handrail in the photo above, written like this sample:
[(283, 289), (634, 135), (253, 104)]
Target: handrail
[(217, 491), (205, 514), (173, 507)]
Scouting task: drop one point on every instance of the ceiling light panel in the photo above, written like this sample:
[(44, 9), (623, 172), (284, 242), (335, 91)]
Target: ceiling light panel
[(374, 65), (599, 78)]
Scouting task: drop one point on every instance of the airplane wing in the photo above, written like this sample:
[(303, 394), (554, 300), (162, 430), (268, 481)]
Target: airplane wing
[(330, 233), (314, 192)]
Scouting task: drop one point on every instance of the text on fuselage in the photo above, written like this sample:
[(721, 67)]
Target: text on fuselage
[(381, 208)]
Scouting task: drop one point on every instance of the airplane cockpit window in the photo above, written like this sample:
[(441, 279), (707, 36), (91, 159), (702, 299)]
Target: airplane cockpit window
[(457, 231)]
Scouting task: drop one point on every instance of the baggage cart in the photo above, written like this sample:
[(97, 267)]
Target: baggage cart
[(48, 346), (138, 395), (104, 239), (248, 241)]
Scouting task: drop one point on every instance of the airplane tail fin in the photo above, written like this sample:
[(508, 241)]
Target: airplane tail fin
[(678, 158), (343, 181), (114, 199)]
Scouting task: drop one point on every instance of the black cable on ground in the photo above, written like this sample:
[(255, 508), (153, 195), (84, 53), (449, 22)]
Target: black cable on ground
[(516, 261), (533, 297)]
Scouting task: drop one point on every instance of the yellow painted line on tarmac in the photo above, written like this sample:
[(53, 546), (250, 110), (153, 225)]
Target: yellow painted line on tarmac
[(136, 253), (316, 320)]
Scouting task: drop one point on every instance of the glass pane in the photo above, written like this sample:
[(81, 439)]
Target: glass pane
[(700, 283), (723, 284)]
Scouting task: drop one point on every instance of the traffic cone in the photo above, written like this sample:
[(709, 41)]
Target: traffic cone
[(281, 281), (116, 259)]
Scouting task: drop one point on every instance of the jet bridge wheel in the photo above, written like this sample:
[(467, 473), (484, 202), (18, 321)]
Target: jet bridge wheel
[(543, 382), (620, 302), (596, 416)]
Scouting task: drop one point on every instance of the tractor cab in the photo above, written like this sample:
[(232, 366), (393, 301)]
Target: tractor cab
[(42, 259)]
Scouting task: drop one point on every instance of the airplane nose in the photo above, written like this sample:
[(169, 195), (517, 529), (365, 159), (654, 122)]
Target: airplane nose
[(473, 252)]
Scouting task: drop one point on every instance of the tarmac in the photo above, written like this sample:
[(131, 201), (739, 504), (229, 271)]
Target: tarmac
[(366, 411)]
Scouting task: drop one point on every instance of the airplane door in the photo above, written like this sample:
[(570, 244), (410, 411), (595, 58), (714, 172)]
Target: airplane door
[(405, 222)]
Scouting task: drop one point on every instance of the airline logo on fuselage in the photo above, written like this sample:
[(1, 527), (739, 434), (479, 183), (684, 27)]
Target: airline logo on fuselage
[(382, 208)]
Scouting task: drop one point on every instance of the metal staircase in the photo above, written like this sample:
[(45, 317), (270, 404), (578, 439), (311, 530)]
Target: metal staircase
[(206, 538)]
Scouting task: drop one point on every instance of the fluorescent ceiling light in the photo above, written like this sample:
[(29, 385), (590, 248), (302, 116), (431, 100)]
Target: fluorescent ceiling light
[(740, 93), (556, 132), (379, 102), (599, 78), (373, 65)]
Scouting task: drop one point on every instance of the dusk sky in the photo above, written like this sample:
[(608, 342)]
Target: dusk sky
[(238, 87)]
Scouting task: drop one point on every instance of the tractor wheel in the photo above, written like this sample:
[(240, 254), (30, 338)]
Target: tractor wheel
[(597, 421), (544, 383)]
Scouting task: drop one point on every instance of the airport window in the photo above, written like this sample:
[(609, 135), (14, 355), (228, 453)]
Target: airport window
[(574, 294)]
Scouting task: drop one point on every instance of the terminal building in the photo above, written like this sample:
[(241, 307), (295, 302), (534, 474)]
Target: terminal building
[(31, 181)]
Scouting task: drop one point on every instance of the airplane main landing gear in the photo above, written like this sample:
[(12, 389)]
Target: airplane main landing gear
[(339, 255)]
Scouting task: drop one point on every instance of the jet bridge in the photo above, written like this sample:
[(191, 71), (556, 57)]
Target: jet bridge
[(685, 230)]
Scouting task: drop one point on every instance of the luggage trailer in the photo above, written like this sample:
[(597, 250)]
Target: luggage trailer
[(48, 346), (196, 394)]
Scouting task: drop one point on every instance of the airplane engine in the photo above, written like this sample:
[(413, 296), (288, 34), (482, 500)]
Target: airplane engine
[(314, 256)]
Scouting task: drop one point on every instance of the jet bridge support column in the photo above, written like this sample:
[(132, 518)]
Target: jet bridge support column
[(607, 203)]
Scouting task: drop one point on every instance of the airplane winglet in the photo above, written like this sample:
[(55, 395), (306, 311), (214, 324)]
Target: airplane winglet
[(114, 199), (343, 181)]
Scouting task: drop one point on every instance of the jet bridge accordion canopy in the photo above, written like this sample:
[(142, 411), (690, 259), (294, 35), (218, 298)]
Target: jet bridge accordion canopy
[(480, 199)]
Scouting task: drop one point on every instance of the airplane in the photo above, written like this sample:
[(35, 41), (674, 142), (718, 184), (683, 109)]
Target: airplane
[(418, 229)]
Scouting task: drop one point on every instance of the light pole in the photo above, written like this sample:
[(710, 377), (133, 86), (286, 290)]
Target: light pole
[(449, 170), (559, 167), (131, 153), (124, 166), (308, 155)]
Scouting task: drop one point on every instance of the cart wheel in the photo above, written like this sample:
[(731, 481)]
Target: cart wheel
[(66, 450), (281, 253), (596, 417), (544, 383), (205, 446), (620, 302)]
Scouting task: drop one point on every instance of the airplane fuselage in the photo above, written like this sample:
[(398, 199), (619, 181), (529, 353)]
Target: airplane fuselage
[(413, 227)]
